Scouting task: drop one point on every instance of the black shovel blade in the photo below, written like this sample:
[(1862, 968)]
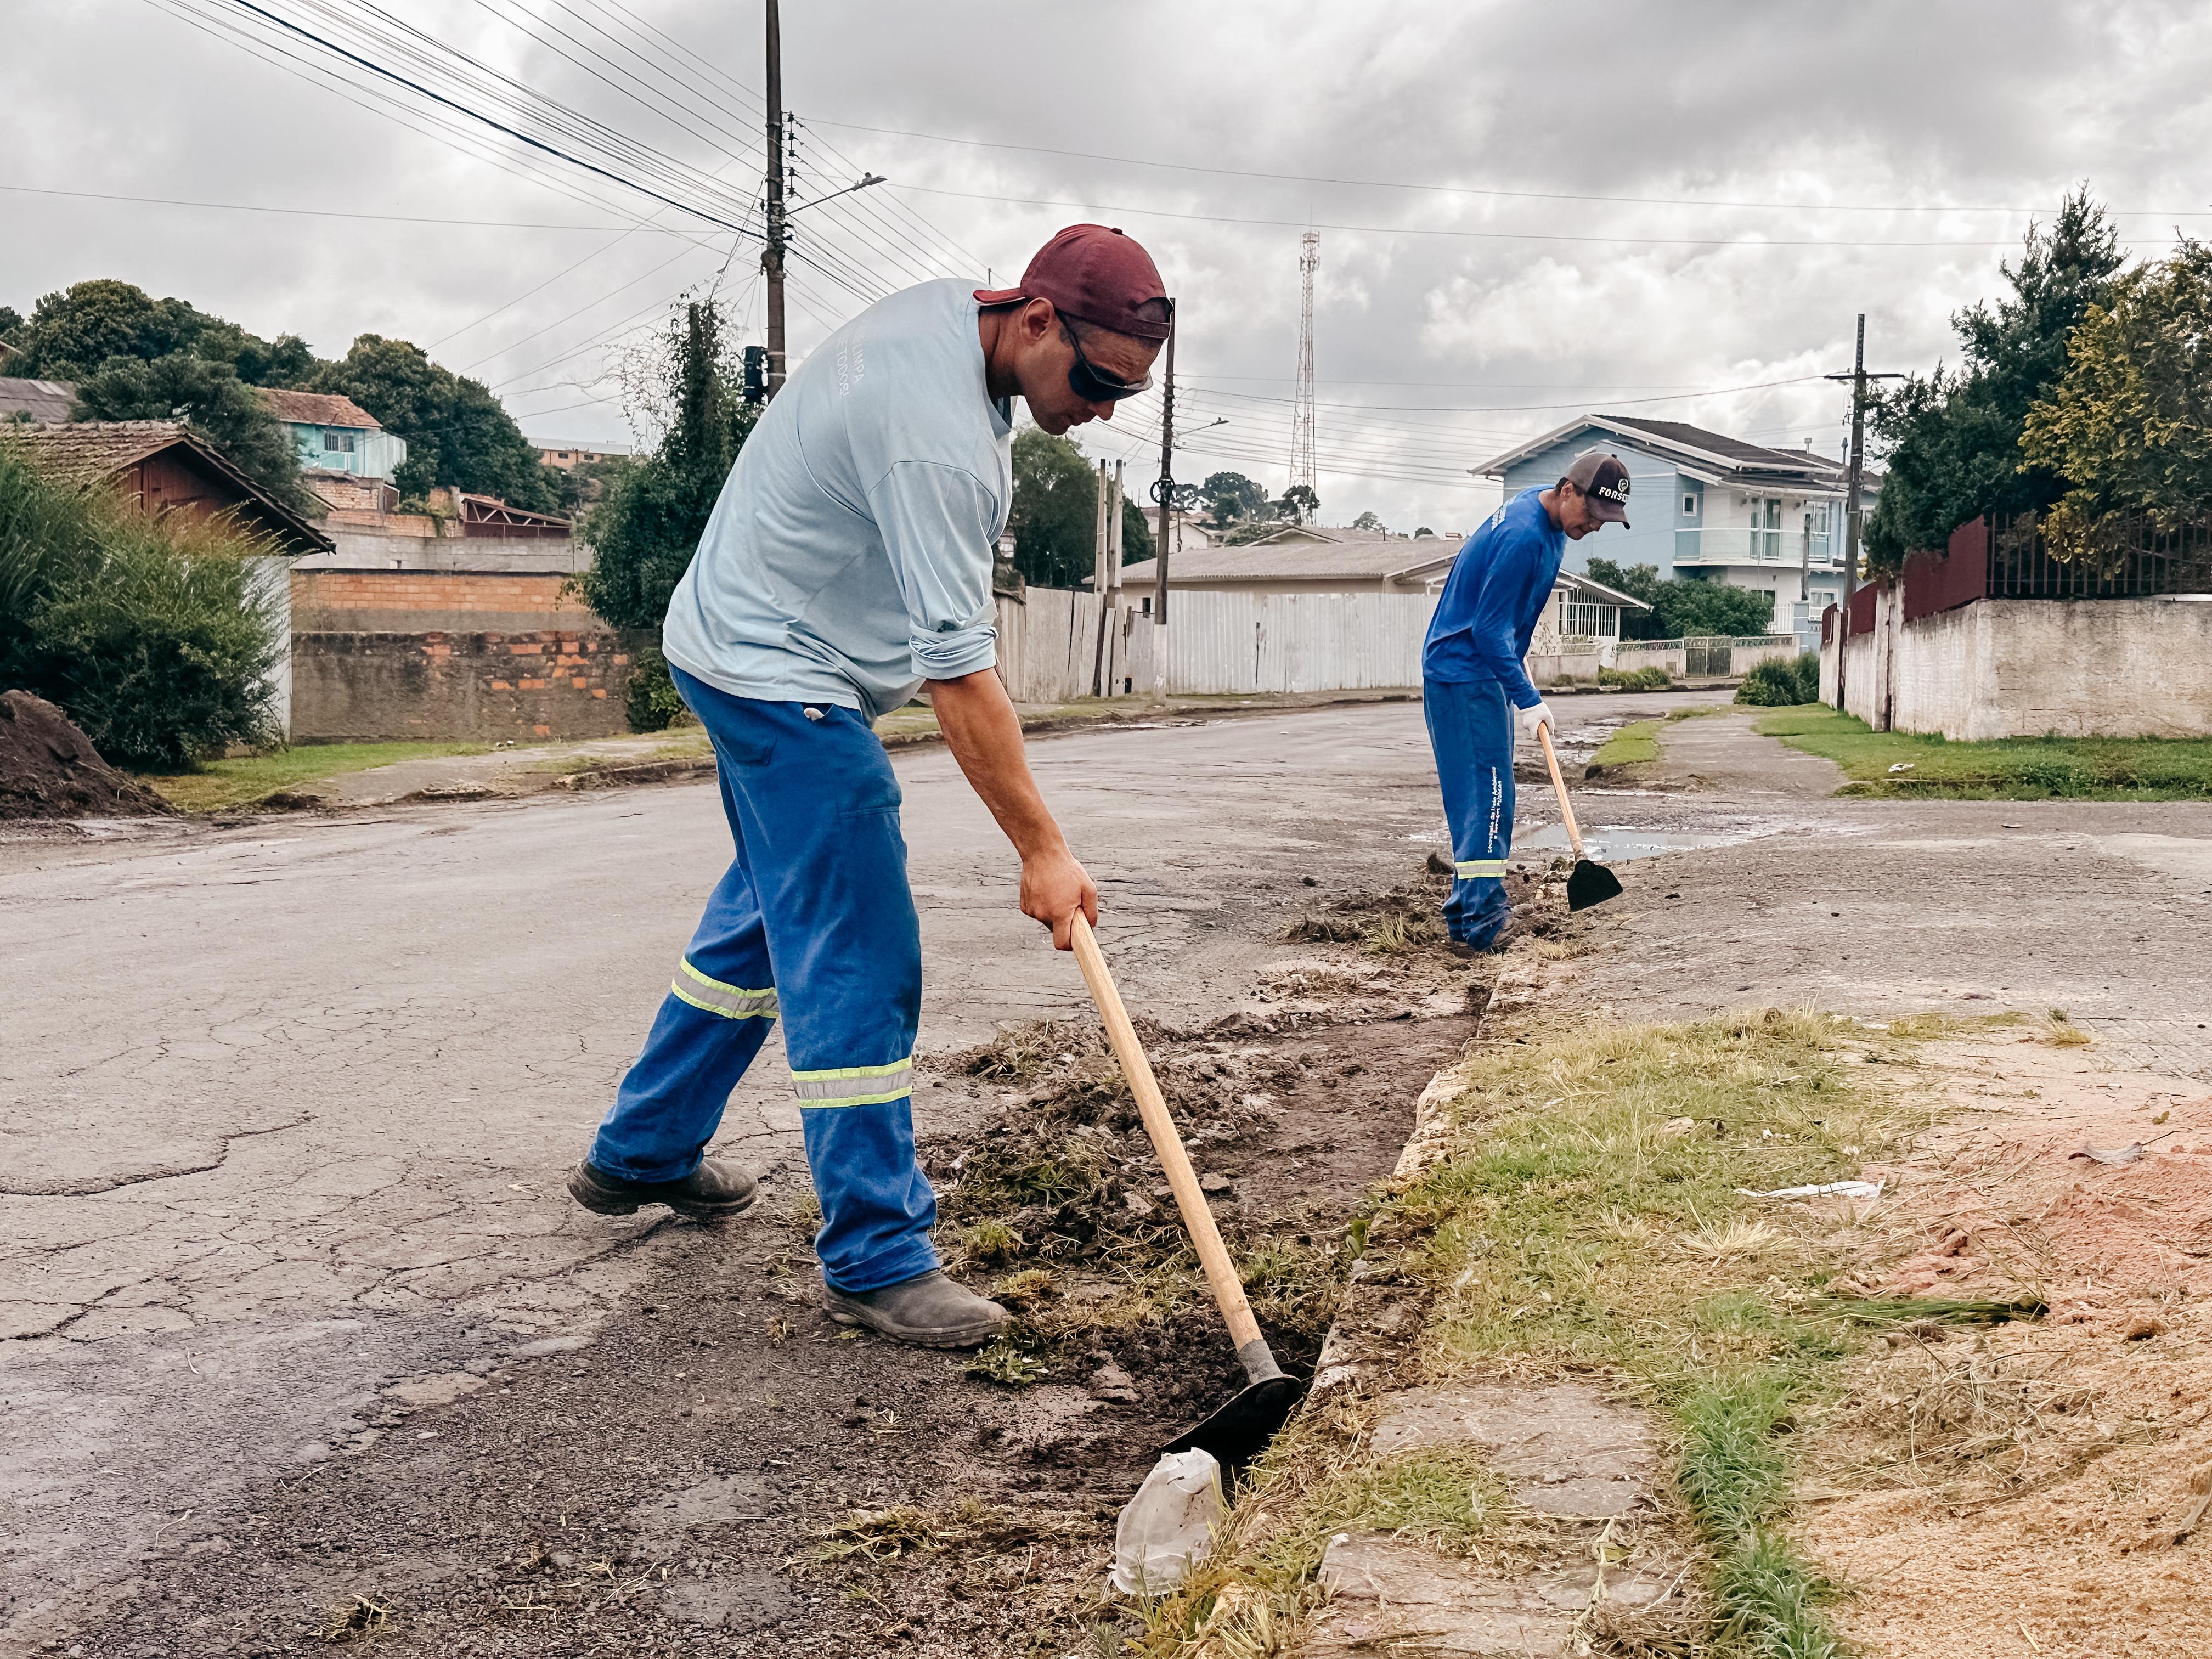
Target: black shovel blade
[(1590, 883), (1240, 1430)]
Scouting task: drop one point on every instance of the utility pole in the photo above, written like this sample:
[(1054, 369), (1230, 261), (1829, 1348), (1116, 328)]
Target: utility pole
[(1101, 546), (772, 255), (1164, 492), (1858, 377)]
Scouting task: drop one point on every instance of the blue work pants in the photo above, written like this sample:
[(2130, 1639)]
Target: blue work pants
[(814, 921), (1471, 730)]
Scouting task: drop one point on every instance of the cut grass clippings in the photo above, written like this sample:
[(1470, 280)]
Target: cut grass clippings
[(2006, 769), (1592, 1218), (220, 785)]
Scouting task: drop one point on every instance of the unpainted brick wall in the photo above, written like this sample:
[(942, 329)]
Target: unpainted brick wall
[(452, 654), (552, 684)]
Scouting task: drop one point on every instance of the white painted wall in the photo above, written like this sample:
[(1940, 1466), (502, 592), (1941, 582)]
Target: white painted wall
[(2020, 668), (1228, 643)]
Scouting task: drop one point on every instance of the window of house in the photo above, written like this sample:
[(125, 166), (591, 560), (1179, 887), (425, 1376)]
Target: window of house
[(337, 440), (1819, 518), (1689, 507), (1587, 619), (1766, 527)]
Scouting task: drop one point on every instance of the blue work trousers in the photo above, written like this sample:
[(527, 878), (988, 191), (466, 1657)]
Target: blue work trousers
[(813, 921), (1471, 730)]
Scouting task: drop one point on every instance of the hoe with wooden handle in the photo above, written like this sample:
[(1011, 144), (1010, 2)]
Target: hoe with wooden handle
[(1241, 1429), (1591, 883)]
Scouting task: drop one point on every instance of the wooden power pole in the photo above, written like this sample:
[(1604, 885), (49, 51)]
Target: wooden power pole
[(1164, 492), (772, 255)]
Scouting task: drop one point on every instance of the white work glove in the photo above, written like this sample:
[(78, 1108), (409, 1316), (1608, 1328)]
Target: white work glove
[(1535, 714)]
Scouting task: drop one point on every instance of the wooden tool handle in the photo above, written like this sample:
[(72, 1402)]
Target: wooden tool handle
[(1212, 1255), (1566, 809)]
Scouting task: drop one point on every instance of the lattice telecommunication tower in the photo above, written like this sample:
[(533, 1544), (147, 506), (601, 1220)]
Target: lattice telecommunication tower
[(1302, 412)]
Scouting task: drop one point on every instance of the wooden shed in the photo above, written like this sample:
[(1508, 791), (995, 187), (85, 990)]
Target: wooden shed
[(162, 466)]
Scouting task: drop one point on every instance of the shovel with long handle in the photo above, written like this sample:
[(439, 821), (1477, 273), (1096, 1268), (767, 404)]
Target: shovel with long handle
[(1591, 883), (1240, 1430)]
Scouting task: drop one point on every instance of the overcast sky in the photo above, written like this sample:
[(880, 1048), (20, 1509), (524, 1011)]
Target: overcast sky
[(1768, 172)]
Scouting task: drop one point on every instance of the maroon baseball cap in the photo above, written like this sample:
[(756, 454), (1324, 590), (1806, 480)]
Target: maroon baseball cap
[(1095, 274)]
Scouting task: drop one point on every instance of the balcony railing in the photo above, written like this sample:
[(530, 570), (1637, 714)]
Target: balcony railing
[(1783, 548)]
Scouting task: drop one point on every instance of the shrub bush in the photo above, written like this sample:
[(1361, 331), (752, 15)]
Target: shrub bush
[(1778, 685), (652, 701), (1652, 678), (150, 634)]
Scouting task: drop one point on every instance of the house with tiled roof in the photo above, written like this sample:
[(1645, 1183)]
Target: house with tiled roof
[(1704, 505), (162, 467), (336, 435)]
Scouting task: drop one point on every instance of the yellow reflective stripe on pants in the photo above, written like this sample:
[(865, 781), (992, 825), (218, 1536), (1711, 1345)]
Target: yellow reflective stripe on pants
[(1469, 869), (730, 1001), (855, 1085)]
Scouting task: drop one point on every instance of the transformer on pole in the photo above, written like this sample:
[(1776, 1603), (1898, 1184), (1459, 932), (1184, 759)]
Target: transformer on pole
[(1302, 412)]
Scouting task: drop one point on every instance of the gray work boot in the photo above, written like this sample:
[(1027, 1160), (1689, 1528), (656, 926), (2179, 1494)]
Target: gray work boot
[(715, 1191), (931, 1312)]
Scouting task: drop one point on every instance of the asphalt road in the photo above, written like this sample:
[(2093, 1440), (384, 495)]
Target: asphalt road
[(286, 1107)]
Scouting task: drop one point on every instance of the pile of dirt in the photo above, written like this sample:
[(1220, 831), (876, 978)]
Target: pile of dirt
[(49, 769)]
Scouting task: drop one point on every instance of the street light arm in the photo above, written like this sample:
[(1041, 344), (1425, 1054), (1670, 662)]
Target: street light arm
[(866, 178)]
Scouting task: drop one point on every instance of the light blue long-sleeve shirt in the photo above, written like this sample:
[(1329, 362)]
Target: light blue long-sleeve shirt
[(1498, 587), (849, 558)]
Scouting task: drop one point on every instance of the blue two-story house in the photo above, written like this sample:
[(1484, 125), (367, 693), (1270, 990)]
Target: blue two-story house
[(1709, 507), (334, 433)]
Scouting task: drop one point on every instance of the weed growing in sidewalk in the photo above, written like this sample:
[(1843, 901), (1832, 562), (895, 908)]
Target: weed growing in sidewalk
[(1593, 1218)]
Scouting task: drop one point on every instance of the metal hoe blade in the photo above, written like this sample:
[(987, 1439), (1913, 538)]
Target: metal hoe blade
[(1240, 1430), (1590, 883)]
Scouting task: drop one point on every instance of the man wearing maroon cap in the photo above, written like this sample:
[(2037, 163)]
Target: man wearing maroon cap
[(848, 564)]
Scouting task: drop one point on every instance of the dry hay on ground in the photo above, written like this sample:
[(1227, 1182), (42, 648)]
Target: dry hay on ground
[(2019, 1491)]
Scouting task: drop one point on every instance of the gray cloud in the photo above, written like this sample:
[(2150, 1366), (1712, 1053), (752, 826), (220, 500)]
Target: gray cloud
[(1888, 108)]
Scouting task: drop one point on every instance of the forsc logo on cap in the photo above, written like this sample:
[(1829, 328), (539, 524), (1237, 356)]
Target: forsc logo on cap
[(1603, 481)]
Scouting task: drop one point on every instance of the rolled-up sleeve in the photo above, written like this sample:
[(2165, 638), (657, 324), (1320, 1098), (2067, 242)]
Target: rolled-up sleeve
[(939, 525)]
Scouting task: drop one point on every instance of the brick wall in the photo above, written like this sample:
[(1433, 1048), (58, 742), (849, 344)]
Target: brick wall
[(452, 654)]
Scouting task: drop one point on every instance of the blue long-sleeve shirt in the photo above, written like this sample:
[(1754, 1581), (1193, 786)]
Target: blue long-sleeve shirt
[(1498, 586)]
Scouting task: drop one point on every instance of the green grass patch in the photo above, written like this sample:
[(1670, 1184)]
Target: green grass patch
[(1633, 745), (1592, 1221), (2006, 769), (220, 784)]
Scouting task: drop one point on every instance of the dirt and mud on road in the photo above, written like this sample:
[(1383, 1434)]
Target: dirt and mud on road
[(722, 1468)]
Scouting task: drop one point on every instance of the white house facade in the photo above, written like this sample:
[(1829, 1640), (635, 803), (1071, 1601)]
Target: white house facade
[(1706, 507)]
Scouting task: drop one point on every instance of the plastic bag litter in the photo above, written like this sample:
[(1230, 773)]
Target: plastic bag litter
[(1858, 1189), (1169, 1527)]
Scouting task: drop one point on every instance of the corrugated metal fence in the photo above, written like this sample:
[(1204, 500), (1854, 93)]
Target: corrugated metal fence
[(1230, 644)]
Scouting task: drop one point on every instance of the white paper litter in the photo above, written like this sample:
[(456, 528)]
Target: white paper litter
[(1859, 1189)]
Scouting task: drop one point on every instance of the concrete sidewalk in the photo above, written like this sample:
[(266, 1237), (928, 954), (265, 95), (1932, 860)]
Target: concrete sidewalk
[(682, 753)]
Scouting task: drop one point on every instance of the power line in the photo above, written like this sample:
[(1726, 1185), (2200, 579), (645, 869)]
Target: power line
[(1478, 235), (325, 213), (1480, 190)]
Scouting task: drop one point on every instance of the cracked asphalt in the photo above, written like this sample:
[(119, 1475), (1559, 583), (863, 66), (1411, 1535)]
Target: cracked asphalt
[(288, 1105)]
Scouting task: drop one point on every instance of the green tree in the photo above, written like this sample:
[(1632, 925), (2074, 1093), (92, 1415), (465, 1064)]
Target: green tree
[(1229, 496), (1054, 517), (11, 322), (209, 397), (1299, 505), (645, 529), (458, 434), (2128, 427), (1954, 438), (1682, 608), (73, 334), (1369, 521)]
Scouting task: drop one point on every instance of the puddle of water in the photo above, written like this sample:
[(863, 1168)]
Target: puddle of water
[(1610, 843)]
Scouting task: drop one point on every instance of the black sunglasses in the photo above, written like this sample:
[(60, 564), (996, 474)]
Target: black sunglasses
[(1092, 383)]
